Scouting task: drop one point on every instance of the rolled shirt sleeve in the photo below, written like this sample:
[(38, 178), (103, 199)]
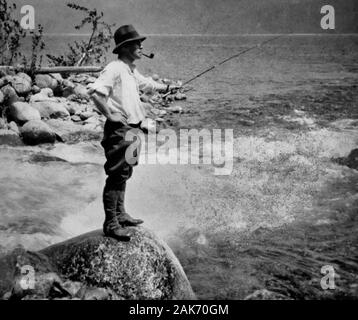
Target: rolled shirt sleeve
[(105, 82)]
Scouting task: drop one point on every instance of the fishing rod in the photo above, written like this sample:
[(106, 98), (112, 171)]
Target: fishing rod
[(226, 60)]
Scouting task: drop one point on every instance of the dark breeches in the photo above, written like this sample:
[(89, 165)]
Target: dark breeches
[(120, 159)]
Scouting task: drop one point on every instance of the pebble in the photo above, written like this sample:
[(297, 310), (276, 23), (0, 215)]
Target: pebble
[(175, 109), (180, 96), (76, 118), (85, 115)]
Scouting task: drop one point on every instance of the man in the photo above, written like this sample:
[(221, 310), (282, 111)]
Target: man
[(116, 95)]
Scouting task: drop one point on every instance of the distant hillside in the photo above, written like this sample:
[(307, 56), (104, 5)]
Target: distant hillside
[(203, 16)]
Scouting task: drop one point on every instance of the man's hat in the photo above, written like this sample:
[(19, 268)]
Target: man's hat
[(126, 34)]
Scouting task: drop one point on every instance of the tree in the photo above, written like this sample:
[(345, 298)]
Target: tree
[(94, 49)]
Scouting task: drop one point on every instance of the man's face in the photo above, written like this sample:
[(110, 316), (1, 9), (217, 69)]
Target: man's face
[(134, 50)]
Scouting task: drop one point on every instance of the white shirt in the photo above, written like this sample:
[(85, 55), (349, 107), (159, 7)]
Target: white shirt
[(121, 87)]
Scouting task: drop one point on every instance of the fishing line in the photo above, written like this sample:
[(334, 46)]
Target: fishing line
[(228, 59)]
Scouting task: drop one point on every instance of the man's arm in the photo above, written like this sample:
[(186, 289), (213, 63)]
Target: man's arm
[(148, 84), (101, 103)]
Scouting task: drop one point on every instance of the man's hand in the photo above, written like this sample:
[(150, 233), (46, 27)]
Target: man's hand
[(149, 125), (116, 117), (173, 87)]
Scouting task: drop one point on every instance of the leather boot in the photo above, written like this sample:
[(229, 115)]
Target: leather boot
[(111, 227), (123, 217)]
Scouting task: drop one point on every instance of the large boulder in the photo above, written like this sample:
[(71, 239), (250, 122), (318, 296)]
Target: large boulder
[(72, 132), (143, 268), (46, 81), (22, 112), (22, 84), (36, 132), (51, 109)]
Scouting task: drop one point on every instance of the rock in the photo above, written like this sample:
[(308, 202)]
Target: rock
[(76, 118), (68, 84), (85, 115), (36, 132), (13, 263), (175, 109), (24, 76), (155, 77), (72, 132), (143, 268), (46, 81), (47, 286), (246, 122), (22, 84), (13, 127), (57, 76), (51, 109), (71, 107), (45, 94), (158, 112), (35, 89), (266, 295), (4, 81), (10, 138), (22, 112), (2, 98), (3, 124), (93, 120), (90, 80), (73, 287), (96, 294), (180, 96), (144, 98), (68, 88), (351, 161), (81, 91), (10, 95)]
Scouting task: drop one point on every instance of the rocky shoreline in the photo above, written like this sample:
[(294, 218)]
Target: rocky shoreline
[(52, 108)]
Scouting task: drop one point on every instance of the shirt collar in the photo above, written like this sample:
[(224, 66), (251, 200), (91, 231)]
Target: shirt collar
[(130, 68)]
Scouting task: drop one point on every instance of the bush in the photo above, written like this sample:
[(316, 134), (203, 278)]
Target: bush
[(11, 34)]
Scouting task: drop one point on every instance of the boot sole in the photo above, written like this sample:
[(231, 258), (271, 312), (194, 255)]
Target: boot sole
[(130, 224), (118, 237)]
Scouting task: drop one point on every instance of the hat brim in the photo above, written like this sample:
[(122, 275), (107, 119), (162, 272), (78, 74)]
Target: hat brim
[(115, 50)]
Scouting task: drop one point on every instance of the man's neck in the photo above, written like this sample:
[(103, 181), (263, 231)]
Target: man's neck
[(127, 61)]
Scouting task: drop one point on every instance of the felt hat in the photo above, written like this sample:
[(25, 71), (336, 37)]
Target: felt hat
[(126, 34)]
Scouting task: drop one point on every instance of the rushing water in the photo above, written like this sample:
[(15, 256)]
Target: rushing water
[(284, 212)]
